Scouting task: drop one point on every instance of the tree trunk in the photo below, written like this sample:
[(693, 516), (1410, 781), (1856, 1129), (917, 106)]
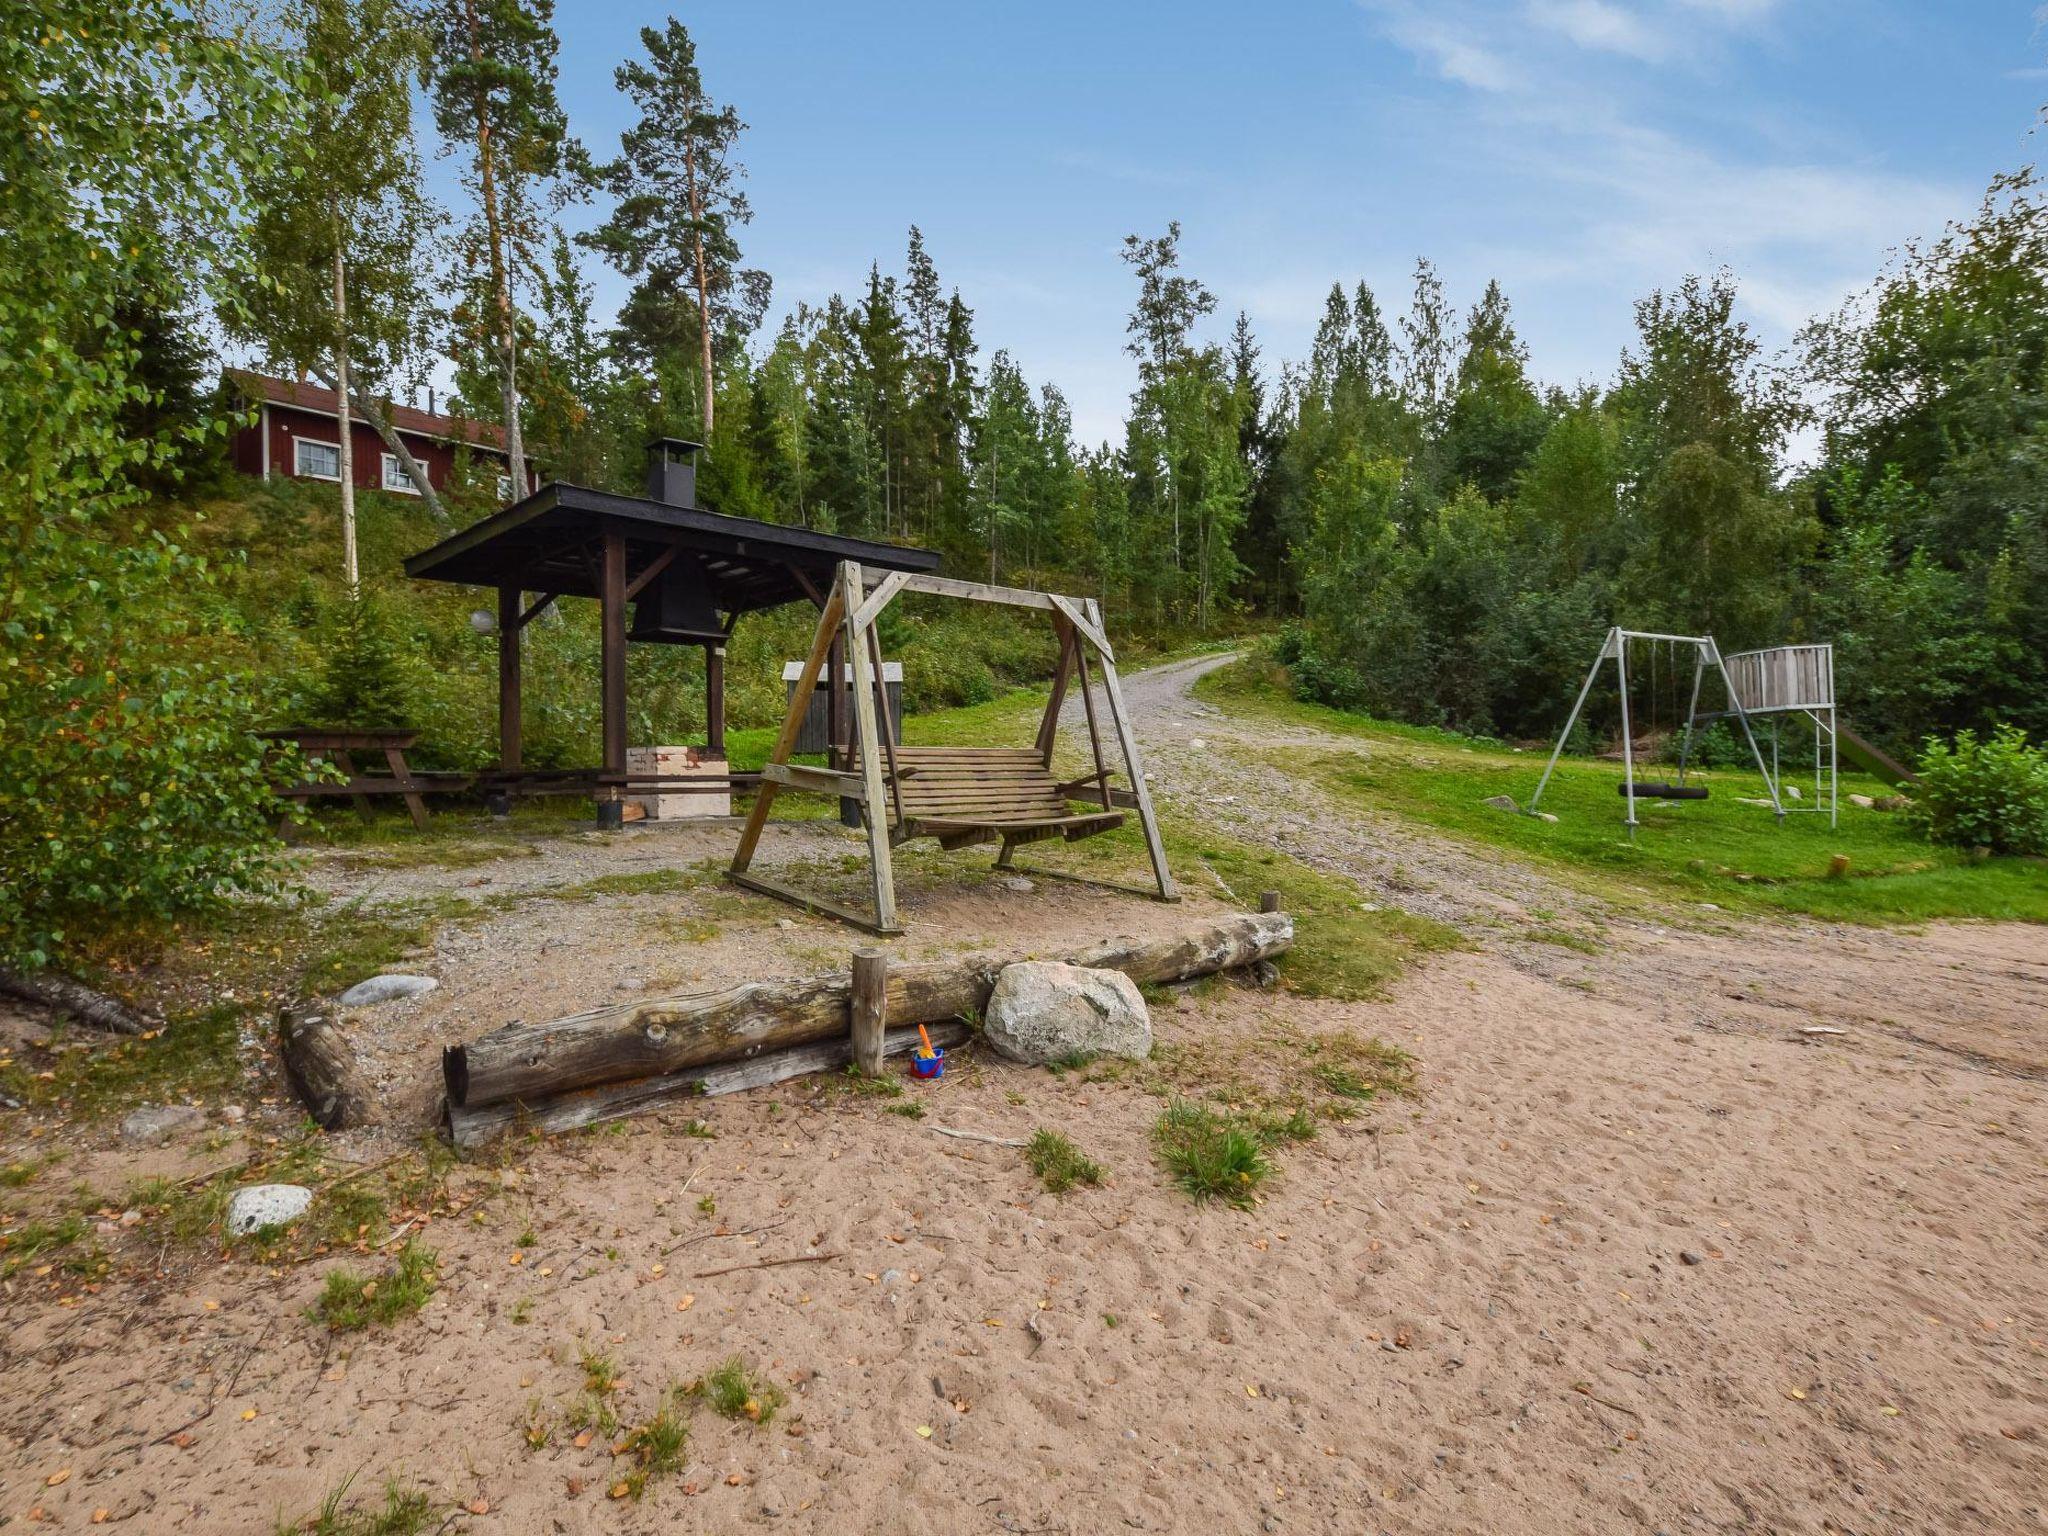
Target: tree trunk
[(703, 280), (344, 428), (86, 1004), (322, 1068), (501, 274), (371, 412), (531, 1062)]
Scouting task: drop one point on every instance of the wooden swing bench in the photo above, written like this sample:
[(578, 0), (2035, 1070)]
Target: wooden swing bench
[(960, 795)]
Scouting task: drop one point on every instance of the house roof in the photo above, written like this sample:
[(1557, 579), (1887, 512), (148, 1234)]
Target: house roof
[(404, 418), (552, 542)]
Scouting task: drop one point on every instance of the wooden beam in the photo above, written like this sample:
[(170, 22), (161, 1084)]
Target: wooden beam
[(823, 781), (714, 697), (870, 751), (809, 903), (880, 598), (540, 606), (510, 623), (1049, 722), (1089, 631), (1134, 766), (792, 727), (655, 567), (977, 592)]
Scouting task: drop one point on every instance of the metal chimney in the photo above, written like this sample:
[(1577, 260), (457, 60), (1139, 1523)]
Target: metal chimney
[(672, 471)]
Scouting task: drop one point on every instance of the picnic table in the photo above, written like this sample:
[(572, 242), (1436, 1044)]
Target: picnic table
[(339, 746)]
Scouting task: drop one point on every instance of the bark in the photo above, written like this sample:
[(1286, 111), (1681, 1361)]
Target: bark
[(703, 279), (322, 1068), (470, 1128), (66, 995), (344, 428), (501, 275), (659, 1036)]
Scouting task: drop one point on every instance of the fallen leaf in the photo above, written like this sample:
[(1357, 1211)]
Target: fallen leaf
[(582, 1441), (211, 1306), (102, 1515), (57, 1477), (572, 1486), (181, 1440), (735, 1479), (248, 1414), (684, 1303), (658, 1271), (478, 1506), (617, 1491), (1472, 1186), (1797, 1394), (1889, 1411), (924, 1431), (692, 1489), (1402, 1340), (517, 1258), (1250, 1390)]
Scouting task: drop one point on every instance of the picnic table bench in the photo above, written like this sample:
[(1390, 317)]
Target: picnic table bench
[(339, 746)]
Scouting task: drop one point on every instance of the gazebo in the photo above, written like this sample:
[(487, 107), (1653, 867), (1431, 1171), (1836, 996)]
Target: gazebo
[(687, 575)]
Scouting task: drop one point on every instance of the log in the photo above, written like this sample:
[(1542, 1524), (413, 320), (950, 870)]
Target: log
[(471, 1128), (321, 1066), (870, 1006), (655, 1037), (67, 995)]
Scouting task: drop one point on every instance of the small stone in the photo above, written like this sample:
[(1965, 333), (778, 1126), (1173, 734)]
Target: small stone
[(156, 1124), (1863, 802), (233, 1114), (1501, 803), (1020, 883), (1544, 816), (1197, 743), (1264, 973), (385, 989), (628, 984), (785, 923), (1792, 792), (1687, 1256), (131, 1218), (891, 1278), (266, 1205)]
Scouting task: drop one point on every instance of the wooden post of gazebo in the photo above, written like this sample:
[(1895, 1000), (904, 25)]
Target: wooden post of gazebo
[(611, 802), (714, 700), (510, 623)]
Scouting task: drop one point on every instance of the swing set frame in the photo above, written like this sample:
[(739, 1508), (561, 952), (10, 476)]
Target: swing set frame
[(1706, 654)]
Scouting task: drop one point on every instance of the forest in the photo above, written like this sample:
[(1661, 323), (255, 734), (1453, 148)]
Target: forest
[(1433, 531)]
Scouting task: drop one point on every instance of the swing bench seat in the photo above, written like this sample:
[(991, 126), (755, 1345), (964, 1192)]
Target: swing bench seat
[(968, 795), (1657, 789)]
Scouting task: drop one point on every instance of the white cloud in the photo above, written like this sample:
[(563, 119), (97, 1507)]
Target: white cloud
[(1599, 25), (1445, 46)]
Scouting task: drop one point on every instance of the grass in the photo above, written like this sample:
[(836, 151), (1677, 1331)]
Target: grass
[(657, 1448), (402, 1511), (910, 1109), (350, 1302), (34, 1241), (1717, 850), (1212, 1156), (734, 1392), (1059, 1164)]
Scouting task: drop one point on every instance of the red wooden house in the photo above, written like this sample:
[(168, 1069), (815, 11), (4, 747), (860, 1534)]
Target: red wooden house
[(295, 435)]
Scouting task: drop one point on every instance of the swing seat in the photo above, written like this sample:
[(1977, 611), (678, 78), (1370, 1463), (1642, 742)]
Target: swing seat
[(1656, 789), (968, 795)]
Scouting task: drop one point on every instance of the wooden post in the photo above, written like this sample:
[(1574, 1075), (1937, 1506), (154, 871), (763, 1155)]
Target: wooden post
[(509, 731), (1269, 901), (792, 726), (611, 807), (714, 700), (1134, 766), (1049, 723), (870, 1008)]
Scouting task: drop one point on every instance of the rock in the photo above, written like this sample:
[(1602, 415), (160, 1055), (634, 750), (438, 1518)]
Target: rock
[(1043, 1011), (1263, 973), (1792, 792), (1892, 802), (1544, 816), (1864, 801), (156, 1124), (386, 989), (1019, 883), (1501, 803), (786, 924), (629, 984), (1687, 1256), (233, 1114), (1197, 743), (266, 1205)]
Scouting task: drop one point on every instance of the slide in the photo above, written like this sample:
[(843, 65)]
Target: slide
[(1871, 760)]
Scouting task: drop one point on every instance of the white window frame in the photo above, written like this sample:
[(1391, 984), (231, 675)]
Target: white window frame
[(394, 478), (300, 472), (504, 487)]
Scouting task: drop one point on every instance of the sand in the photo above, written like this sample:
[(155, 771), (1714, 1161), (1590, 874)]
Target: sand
[(1472, 1311)]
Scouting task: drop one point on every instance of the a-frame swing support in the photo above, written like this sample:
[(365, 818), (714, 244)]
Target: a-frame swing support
[(1615, 648), (876, 784)]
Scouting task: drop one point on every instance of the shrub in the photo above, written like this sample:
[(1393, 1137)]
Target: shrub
[(1210, 1155), (1984, 794), (361, 685)]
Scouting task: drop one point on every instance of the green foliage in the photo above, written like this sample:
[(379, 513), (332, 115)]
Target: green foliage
[(350, 1301), (130, 790), (1059, 1164), (362, 685), (403, 1511), (1210, 1155), (1984, 794)]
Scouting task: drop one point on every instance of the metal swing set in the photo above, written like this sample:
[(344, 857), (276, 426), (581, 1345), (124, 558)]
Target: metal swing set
[(1772, 683)]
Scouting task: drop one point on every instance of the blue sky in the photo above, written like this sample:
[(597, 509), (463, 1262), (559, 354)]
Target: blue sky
[(1582, 151)]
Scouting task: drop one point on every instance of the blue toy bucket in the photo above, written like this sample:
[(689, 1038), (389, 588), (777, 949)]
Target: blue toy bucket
[(930, 1066)]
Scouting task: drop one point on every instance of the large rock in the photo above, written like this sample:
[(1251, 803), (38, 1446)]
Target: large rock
[(156, 1124), (266, 1205), (386, 989), (1044, 1011)]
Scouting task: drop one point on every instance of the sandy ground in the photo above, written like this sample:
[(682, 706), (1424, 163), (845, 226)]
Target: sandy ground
[(1477, 1311)]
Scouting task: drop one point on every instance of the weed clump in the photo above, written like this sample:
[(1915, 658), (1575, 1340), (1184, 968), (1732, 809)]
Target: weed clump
[(1211, 1156), (734, 1392), (1059, 1164), (350, 1302)]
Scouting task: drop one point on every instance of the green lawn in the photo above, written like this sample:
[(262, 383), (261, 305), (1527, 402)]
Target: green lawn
[(1736, 856)]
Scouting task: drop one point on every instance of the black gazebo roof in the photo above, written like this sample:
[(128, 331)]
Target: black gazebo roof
[(551, 542)]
